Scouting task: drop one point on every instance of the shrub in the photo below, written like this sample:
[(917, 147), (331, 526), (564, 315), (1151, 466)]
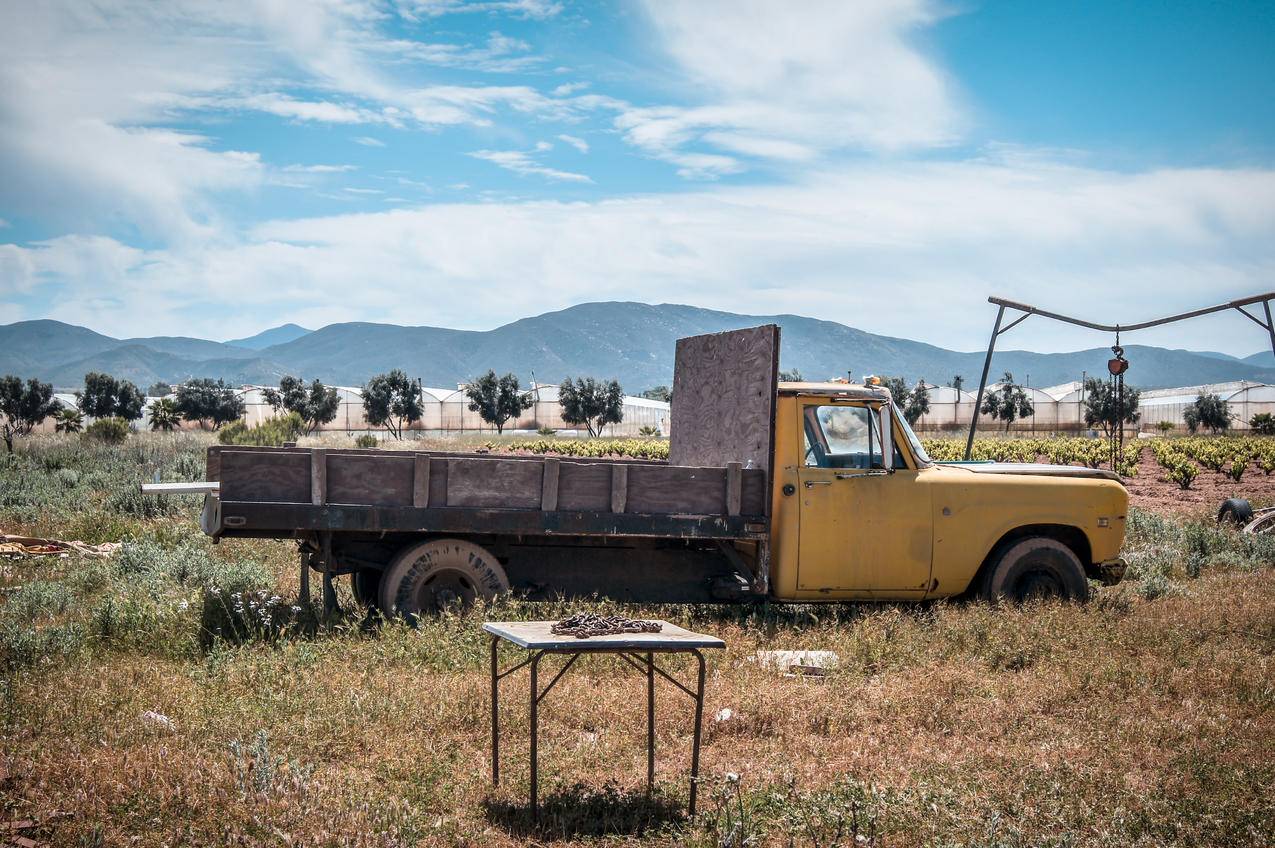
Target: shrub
[(1263, 424), (112, 431), (649, 431), (271, 432), (367, 440), (546, 431)]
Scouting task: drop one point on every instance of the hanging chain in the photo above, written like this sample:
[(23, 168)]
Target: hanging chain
[(582, 625)]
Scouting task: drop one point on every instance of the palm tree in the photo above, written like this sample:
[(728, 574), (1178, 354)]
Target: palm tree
[(68, 419), (164, 415)]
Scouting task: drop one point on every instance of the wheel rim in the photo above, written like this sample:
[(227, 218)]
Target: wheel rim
[(1037, 583), (446, 588)]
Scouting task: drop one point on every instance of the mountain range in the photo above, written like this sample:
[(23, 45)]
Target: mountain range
[(631, 342)]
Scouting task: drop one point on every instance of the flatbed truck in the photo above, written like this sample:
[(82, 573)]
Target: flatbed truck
[(799, 492)]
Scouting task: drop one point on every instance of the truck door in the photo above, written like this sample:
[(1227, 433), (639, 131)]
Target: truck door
[(865, 527)]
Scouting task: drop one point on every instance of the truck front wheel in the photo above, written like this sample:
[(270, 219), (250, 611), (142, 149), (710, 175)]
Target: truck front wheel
[(439, 574), (1035, 568)]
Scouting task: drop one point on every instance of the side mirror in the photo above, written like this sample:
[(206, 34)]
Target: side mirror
[(887, 436)]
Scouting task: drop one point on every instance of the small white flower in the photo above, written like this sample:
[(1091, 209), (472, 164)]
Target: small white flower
[(732, 777)]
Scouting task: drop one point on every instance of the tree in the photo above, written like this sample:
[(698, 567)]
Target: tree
[(165, 415), (913, 402), (158, 390), (592, 403), (497, 399), (24, 406), (68, 419), (792, 376), (958, 382), (392, 401), (316, 405), (663, 393), (1208, 411), (1263, 424), (105, 397), (1101, 405), (129, 401), (206, 400), (1008, 403)]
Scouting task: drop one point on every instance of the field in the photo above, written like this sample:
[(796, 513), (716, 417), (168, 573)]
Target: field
[(1146, 717)]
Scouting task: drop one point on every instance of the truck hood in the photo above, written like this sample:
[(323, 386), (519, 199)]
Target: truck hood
[(1040, 469)]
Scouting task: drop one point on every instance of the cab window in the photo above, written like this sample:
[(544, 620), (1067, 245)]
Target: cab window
[(842, 437)]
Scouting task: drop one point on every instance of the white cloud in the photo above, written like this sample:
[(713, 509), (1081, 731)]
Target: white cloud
[(522, 163), (365, 191), (569, 88), (909, 250), (368, 141), (302, 110), (500, 54), (786, 83), (535, 9), (86, 92), (576, 142), (320, 169)]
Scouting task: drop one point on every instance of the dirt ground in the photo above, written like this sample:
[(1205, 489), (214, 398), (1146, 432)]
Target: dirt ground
[(1152, 491)]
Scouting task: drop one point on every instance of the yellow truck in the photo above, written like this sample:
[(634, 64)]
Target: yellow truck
[(780, 491)]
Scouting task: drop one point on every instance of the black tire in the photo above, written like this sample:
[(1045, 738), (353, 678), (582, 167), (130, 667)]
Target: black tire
[(429, 577), (365, 585), (1235, 511), (1035, 568)]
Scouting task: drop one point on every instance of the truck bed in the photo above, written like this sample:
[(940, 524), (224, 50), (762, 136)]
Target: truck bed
[(278, 492)]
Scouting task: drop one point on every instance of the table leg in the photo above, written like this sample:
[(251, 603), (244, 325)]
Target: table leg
[(535, 728), (699, 722), (495, 713), (650, 722)]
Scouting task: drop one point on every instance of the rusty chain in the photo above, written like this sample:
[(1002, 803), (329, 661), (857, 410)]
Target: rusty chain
[(582, 625)]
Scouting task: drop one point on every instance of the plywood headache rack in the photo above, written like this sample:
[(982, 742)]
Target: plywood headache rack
[(1029, 311)]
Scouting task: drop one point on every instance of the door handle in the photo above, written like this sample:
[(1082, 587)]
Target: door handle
[(810, 484)]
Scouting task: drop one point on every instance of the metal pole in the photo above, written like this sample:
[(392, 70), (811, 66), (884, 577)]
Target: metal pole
[(329, 594), (699, 721), (1270, 328), (650, 722), (495, 713), (535, 684), (982, 382), (305, 580)]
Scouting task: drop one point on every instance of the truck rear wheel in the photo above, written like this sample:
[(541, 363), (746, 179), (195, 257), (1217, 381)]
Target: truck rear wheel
[(1035, 568), (441, 573)]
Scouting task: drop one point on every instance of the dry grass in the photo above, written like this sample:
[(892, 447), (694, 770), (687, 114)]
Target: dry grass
[(1143, 718)]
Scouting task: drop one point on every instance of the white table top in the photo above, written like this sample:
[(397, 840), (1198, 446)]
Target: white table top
[(537, 635)]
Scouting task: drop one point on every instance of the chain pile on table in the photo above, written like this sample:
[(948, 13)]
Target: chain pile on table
[(582, 625)]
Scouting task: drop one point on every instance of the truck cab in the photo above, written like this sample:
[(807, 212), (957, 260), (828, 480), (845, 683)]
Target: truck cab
[(860, 512)]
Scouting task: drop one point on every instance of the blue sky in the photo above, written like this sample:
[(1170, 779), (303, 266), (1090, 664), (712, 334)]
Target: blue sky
[(214, 169)]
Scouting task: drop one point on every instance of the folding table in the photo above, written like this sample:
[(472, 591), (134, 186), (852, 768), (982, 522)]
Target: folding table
[(636, 649)]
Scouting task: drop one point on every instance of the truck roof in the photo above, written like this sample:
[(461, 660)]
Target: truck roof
[(850, 390)]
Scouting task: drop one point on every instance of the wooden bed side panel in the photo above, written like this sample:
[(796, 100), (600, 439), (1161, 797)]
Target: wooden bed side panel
[(282, 477), (584, 486), (384, 480), (677, 490), (502, 483), (755, 493)]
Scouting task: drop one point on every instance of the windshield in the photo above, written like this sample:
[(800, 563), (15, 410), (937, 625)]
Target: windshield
[(922, 458)]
